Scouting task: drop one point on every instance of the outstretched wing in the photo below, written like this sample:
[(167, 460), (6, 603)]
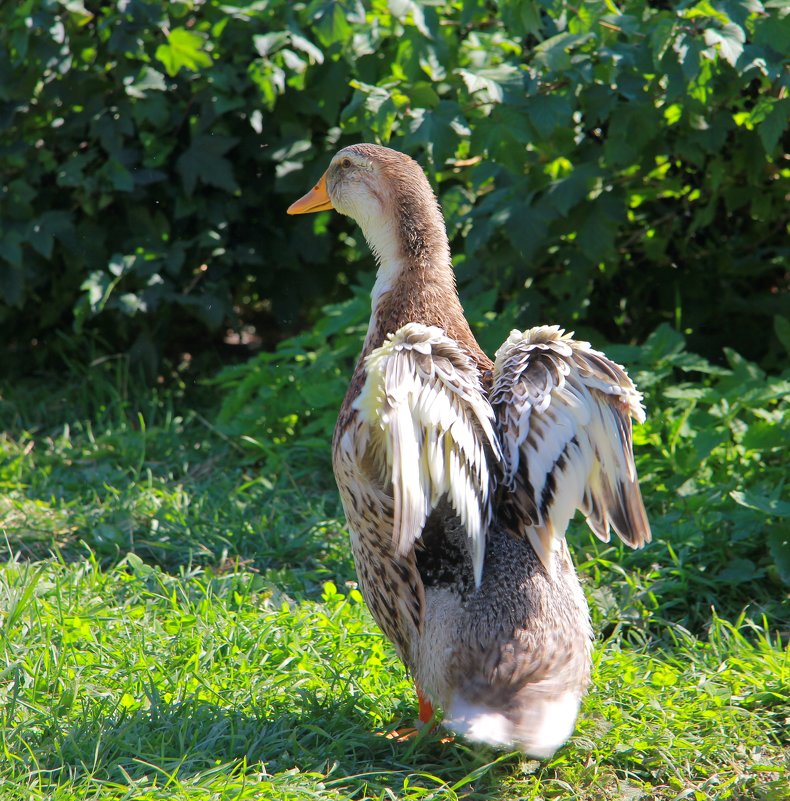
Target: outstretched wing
[(564, 413), (430, 433)]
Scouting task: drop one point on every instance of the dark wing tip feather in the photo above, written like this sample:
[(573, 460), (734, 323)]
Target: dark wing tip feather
[(628, 516)]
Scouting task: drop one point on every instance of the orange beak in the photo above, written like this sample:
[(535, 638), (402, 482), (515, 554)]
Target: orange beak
[(317, 199)]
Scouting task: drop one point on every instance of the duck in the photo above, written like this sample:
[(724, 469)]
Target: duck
[(459, 475)]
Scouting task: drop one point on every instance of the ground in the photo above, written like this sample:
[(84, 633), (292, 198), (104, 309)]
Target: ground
[(179, 623)]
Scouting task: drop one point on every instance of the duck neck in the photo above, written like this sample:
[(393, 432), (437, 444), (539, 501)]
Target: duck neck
[(415, 280)]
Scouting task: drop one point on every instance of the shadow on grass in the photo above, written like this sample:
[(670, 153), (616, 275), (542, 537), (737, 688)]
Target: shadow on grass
[(332, 740), (89, 470), (288, 535)]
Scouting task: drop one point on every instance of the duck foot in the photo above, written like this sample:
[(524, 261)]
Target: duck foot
[(425, 717), (402, 735), (408, 733)]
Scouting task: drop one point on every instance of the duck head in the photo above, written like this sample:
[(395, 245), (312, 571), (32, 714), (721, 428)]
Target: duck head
[(389, 197), (364, 180)]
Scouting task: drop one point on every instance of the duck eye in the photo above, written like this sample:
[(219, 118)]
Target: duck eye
[(345, 163)]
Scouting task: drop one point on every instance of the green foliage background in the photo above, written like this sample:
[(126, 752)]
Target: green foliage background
[(606, 165)]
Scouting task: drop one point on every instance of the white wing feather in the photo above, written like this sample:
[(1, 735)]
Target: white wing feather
[(564, 412), (431, 433)]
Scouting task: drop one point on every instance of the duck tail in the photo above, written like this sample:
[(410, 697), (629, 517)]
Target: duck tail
[(538, 728)]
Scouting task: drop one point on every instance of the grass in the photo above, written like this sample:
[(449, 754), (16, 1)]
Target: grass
[(179, 622)]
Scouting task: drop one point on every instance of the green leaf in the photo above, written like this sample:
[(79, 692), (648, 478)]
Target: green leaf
[(267, 44), (770, 130), (771, 506), (766, 436), (527, 226), (12, 282), (77, 9), (691, 392), (782, 331), (548, 113), (631, 128), (773, 30), (521, 17), (375, 107), (184, 49), (431, 61), (692, 363), (728, 40), (117, 175), (779, 546), (11, 248), (100, 284), (72, 173), (45, 228), (705, 9), (743, 369), (596, 233), (270, 79), (488, 85), (662, 33), (304, 45), (480, 84), (665, 341), (402, 9), (331, 23), (439, 130), (688, 49), (739, 11), (148, 80), (565, 193), (422, 95), (554, 53), (738, 570), (205, 161)]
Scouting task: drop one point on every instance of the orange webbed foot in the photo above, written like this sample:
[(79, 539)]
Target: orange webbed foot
[(425, 714)]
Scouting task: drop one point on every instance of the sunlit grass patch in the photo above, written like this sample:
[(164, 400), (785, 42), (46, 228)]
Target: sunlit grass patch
[(133, 677), (178, 621)]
